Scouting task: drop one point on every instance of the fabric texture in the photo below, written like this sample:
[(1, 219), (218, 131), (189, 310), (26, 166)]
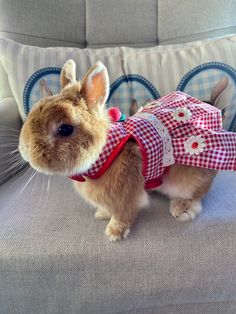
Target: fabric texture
[(86, 22), (56, 259), (204, 69), (163, 139), (10, 124), (193, 18)]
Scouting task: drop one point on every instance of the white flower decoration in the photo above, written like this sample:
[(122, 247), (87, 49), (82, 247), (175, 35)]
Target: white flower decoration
[(194, 145), (181, 114)]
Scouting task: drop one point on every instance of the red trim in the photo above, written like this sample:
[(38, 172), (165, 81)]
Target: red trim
[(111, 158), (148, 185), (107, 164), (77, 177), (155, 183), (116, 151)]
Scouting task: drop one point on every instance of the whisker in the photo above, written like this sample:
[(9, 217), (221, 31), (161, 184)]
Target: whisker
[(17, 169), (10, 156), (5, 140), (41, 191), (7, 135), (27, 183), (35, 183), (8, 145), (7, 128), (11, 132), (48, 185), (16, 180), (15, 151), (13, 160), (12, 170)]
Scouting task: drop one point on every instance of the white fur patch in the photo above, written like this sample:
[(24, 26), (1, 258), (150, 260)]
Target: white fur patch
[(113, 224), (102, 214), (144, 200), (194, 209), (174, 190)]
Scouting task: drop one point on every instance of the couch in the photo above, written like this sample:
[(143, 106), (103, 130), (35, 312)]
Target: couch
[(54, 256)]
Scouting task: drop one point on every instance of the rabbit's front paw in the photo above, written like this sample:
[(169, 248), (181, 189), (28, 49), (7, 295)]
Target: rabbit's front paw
[(116, 230)]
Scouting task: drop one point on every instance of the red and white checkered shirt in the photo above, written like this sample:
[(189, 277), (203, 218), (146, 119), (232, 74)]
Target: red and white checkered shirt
[(176, 128)]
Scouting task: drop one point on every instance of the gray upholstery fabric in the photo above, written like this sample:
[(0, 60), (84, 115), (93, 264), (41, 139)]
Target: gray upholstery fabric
[(55, 257), (55, 19), (177, 19), (10, 122), (127, 19), (107, 22)]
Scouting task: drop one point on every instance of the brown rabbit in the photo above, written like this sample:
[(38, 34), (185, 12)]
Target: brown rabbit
[(64, 134)]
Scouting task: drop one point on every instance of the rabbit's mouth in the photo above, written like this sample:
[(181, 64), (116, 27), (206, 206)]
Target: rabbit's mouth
[(44, 168), (42, 163)]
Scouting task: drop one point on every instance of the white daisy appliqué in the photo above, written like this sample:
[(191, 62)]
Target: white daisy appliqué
[(181, 114), (194, 145)]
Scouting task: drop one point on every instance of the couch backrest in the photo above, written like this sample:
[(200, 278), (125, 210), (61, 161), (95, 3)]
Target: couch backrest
[(96, 23)]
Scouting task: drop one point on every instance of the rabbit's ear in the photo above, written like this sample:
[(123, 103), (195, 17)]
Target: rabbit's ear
[(95, 85), (133, 107), (68, 73), (44, 89), (217, 93)]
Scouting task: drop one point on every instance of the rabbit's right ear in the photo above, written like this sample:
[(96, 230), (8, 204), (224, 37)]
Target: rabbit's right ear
[(95, 86), (68, 73)]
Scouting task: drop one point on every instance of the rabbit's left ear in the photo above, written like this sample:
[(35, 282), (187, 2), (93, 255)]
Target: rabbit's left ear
[(68, 73), (95, 85), (219, 93), (44, 89)]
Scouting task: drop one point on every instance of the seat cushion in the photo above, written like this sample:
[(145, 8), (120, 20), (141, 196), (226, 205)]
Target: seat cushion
[(55, 258)]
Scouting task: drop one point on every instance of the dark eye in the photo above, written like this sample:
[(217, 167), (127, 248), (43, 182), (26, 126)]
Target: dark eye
[(65, 130)]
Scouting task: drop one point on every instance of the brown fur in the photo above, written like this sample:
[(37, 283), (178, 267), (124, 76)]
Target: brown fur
[(119, 193), (196, 181), (119, 189), (60, 155)]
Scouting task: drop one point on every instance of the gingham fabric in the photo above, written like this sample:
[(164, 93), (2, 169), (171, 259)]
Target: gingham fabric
[(162, 139)]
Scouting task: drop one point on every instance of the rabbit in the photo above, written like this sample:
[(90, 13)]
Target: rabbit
[(65, 133)]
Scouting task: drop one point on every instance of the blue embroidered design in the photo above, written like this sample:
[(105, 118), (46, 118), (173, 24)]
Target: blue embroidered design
[(131, 87), (31, 94)]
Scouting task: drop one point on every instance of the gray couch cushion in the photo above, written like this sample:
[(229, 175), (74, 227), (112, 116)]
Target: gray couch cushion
[(54, 21), (111, 22), (55, 257), (183, 20), (125, 23)]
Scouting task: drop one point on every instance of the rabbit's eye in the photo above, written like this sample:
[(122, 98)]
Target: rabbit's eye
[(65, 130)]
